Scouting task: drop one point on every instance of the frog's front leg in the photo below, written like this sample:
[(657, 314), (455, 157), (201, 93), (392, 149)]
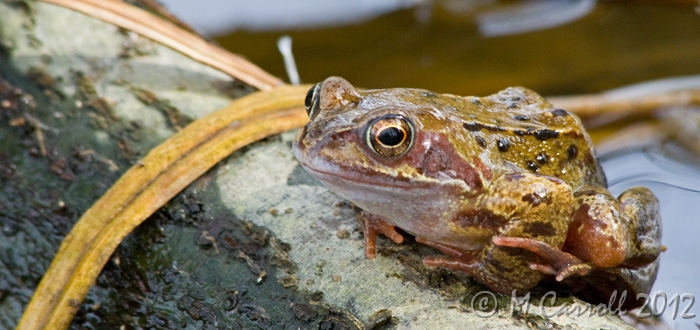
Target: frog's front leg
[(532, 207), (371, 225)]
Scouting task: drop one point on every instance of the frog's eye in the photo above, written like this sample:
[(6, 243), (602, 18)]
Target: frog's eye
[(390, 135), (312, 100)]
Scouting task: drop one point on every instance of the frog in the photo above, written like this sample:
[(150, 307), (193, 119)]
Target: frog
[(507, 187)]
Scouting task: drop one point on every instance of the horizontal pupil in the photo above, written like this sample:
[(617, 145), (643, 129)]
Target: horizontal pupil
[(391, 136)]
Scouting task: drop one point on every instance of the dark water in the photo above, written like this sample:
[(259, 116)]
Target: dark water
[(614, 45)]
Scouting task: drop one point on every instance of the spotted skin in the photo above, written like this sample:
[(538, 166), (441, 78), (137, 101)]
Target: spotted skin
[(506, 186)]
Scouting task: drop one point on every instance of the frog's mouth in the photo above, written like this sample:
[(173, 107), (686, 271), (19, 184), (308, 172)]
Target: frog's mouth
[(353, 185), (348, 177)]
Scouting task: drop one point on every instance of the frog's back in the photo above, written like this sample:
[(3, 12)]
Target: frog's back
[(516, 130)]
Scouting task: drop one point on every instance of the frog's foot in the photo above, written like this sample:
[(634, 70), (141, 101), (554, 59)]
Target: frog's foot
[(373, 225), (558, 263), (463, 260)]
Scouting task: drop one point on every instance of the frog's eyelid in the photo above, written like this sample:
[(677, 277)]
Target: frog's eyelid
[(312, 100)]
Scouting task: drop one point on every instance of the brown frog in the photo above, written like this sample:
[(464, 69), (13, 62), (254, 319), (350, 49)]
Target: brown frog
[(507, 186)]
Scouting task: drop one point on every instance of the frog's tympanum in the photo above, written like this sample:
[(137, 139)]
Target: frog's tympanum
[(506, 186)]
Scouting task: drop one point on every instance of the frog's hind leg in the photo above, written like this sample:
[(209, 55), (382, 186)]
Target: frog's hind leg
[(605, 233), (640, 217), (641, 209), (609, 232)]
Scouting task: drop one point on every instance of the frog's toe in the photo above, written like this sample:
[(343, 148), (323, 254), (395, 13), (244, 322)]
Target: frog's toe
[(451, 263), (544, 269), (464, 260), (370, 233), (392, 234), (370, 249), (565, 272), (446, 249), (387, 230), (579, 269)]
